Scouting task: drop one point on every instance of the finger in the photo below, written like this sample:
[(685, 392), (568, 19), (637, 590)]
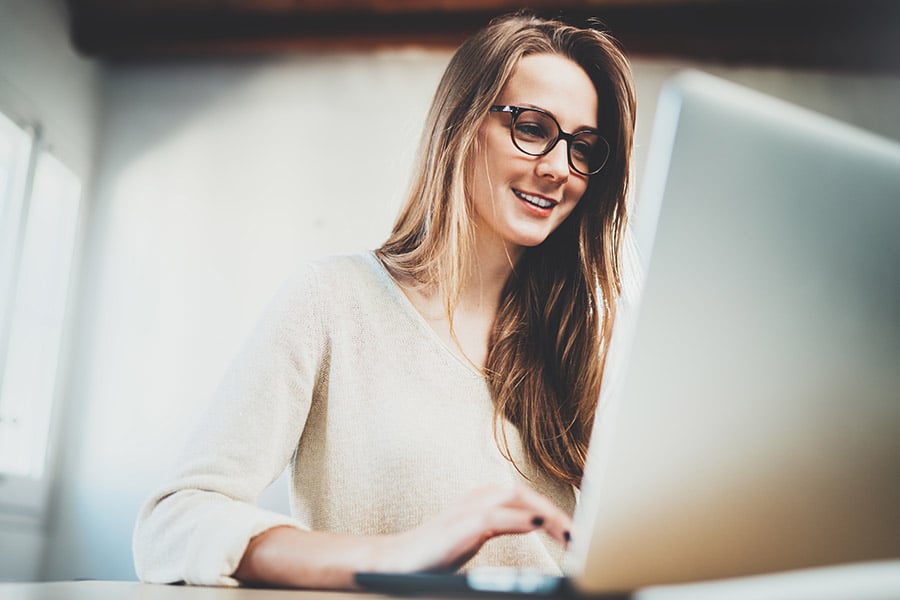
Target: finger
[(453, 539), (457, 534), (502, 521), (556, 522)]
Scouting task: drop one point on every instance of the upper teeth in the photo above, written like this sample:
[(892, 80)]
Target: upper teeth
[(537, 200)]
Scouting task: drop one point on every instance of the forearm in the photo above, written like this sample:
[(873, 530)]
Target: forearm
[(289, 557)]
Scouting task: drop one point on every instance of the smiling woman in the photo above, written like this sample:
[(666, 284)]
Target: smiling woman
[(521, 198), (434, 397)]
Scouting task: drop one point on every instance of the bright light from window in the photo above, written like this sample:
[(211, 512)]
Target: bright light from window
[(15, 150), (37, 281)]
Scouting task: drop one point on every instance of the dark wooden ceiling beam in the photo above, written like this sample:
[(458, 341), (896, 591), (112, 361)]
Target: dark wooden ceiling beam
[(859, 35)]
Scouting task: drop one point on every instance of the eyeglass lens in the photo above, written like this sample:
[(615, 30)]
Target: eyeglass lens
[(535, 133)]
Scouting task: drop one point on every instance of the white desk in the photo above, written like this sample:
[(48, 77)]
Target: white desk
[(865, 581), (128, 590)]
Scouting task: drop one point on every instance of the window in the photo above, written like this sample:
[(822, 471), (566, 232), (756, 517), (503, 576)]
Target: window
[(39, 208)]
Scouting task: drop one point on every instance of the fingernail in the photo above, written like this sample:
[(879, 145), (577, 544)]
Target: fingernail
[(537, 521), (567, 536)]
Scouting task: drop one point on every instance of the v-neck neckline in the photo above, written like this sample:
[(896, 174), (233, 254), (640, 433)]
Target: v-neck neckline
[(417, 317)]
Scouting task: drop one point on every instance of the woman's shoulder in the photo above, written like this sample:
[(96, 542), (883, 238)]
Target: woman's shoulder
[(318, 290), (343, 270), (340, 276)]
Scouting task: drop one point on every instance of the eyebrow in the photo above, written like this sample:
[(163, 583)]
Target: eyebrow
[(553, 114)]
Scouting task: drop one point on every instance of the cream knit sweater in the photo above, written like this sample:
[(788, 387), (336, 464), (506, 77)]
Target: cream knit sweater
[(382, 425)]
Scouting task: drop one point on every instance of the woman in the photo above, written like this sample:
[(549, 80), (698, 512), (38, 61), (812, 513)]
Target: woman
[(434, 398)]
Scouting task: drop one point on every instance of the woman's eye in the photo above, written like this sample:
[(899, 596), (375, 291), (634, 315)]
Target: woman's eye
[(582, 150), (532, 131)]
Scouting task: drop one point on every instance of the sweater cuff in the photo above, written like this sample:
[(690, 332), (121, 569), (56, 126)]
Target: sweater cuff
[(220, 540)]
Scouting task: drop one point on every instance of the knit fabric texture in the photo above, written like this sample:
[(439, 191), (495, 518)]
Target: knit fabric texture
[(380, 423)]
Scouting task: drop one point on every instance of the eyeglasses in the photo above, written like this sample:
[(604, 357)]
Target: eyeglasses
[(536, 132)]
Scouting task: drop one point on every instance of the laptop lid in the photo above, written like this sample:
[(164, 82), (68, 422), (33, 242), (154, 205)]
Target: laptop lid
[(750, 420)]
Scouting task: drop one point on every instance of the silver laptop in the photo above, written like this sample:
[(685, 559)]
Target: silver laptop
[(750, 419)]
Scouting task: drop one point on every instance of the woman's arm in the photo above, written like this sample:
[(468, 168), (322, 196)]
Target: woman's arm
[(289, 557), (286, 556), (197, 526)]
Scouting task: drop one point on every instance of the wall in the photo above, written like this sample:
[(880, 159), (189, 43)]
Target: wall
[(868, 101), (43, 81), (216, 178), (213, 179)]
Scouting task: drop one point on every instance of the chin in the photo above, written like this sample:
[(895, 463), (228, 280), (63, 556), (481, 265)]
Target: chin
[(531, 242), (530, 239)]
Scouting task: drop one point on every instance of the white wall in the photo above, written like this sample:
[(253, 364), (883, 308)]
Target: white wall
[(864, 100), (216, 178), (43, 81), (213, 178)]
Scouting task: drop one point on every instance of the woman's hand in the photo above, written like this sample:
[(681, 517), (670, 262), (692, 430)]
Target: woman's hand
[(289, 557), (446, 542)]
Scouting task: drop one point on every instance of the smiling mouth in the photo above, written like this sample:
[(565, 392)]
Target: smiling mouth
[(535, 200)]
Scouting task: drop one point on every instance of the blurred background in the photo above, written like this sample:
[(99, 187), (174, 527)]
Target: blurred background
[(164, 164)]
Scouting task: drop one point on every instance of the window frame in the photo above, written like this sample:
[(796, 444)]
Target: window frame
[(24, 499)]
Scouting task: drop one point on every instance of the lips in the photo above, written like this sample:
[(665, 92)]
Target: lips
[(539, 201)]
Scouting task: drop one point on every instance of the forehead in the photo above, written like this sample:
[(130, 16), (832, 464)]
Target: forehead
[(556, 84)]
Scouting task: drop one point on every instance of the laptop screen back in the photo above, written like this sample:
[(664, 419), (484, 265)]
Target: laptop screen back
[(750, 422)]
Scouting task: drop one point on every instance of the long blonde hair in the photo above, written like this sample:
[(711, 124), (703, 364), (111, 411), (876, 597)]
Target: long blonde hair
[(549, 340)]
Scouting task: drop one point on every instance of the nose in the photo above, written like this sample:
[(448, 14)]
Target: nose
[(555, 164)]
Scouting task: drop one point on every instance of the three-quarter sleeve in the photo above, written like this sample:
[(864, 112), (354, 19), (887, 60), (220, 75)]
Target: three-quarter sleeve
[(196, 527)]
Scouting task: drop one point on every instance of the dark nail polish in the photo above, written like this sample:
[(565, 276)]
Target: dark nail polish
[(567, 536), (537, 521)]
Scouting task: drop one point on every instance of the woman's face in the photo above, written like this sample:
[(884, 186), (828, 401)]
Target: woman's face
[(519, 199)]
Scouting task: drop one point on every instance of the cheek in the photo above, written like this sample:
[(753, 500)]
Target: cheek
[(577, 192), (498, 156), (578, 188)]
